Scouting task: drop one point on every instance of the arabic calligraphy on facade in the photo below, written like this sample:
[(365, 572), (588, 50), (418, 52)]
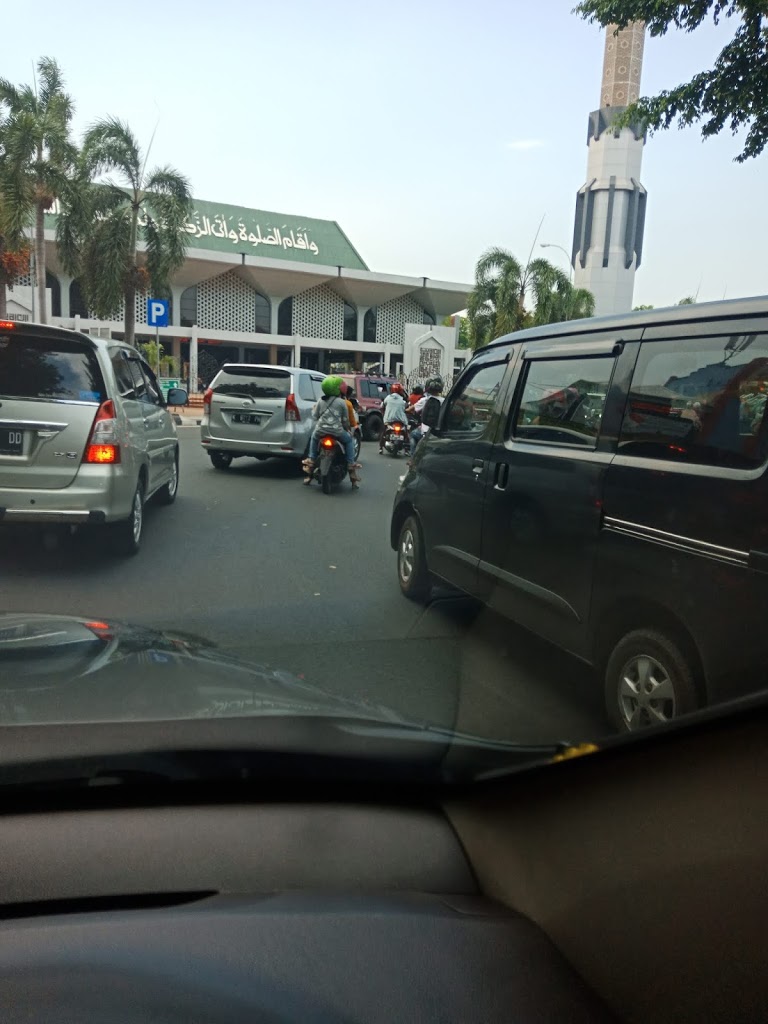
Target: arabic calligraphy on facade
[(218, 227), (203, 226)]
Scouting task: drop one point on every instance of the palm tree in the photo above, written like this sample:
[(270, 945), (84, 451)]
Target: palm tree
[(15, 206), (103, 224), (509, 296), (38, 154)]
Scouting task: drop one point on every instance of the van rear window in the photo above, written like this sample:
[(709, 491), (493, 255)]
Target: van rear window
[(49, 368), (248, 382)]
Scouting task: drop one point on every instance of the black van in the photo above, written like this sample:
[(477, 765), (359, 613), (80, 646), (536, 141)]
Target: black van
[(603, 483)]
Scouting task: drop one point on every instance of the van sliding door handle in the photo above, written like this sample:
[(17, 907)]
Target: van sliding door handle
[(500, 476)]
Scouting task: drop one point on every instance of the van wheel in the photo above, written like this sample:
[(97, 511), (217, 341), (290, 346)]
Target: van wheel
[(648, 681), (372, 427), (126, 534), (412, 572), (167, 493), (220, 460)]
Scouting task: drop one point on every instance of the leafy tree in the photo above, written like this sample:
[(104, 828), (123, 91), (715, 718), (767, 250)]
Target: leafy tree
[(101, 225), (463, 341), (38, 155), (509, 296), (734, 91), (689, 300)]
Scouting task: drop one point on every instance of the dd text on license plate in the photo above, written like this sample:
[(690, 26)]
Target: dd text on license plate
[(11, 441)]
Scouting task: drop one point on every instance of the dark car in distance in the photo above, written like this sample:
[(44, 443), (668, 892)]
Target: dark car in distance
[(604, 484)]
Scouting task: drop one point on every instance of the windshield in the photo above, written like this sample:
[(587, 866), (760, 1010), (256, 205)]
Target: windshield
[(560, 538)]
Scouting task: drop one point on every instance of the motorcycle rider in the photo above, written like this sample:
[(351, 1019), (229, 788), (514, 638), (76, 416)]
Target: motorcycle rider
[(332, 417), (415, 396), (348, 394), (434, 389), (394, 412)]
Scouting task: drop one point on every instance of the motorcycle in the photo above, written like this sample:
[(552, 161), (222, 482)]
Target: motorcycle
[(395, 439), (331, 467)]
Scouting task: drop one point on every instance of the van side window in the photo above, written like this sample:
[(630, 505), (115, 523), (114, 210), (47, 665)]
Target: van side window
[(470, 406), (140, 385), (563, 400), (125, 385), (153, 395), (306, 392), (700, 400)]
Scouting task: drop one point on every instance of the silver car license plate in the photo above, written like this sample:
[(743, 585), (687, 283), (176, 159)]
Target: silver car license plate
[(11, 441), (245, 417)]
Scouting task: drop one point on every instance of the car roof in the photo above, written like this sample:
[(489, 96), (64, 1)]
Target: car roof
[(724, 309), (50, 331), (271, 366)]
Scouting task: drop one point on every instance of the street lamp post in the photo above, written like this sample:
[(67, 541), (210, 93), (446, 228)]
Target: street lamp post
[(554, 245)]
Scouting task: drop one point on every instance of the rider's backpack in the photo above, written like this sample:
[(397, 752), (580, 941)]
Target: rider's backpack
[(431, 411)]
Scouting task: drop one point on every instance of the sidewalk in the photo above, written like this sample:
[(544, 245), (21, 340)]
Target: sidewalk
[(186, 415)]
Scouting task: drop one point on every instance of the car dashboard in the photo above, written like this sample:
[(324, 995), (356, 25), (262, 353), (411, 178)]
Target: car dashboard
[(603, 887)]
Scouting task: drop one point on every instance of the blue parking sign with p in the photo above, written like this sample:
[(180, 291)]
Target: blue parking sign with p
[(157, 312)]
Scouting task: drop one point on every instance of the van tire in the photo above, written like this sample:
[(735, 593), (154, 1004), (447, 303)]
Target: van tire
[(220, 460), (412, 572), (372, 427), (127, 533), (652, 662), (167, 493)]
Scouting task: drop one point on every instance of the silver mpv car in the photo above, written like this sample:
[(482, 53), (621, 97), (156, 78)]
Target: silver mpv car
[(259, 410), (85, 434)]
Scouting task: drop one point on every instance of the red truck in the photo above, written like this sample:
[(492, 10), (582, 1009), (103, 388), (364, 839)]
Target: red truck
[(370, 391)]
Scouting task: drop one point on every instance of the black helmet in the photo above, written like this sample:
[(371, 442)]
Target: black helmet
[(434, 385), (418, 390)]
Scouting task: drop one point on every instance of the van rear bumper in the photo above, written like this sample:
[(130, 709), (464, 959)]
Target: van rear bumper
[(50, 515), (94, 496)]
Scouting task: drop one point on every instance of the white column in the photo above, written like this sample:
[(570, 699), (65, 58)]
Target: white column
[(296, 350), (193, 388), (361, 311), (64, 283), (273, 306), (176, 293)]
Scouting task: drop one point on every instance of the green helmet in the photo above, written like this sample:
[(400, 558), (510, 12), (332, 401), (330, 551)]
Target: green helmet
[(332, 386)]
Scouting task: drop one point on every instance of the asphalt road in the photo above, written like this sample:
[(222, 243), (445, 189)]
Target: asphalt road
[(284, 575)]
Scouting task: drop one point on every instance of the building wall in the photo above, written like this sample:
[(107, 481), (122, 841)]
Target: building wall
[(318, 313), (392, 316), (226, 303)]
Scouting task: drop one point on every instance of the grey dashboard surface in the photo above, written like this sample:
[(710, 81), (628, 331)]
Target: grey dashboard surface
[(289, 958), (228, 849)]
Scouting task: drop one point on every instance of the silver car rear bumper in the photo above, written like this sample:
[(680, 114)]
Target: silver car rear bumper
[(49, 515)]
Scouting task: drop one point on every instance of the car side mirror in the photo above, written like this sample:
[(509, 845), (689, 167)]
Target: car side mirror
[(431, 414), (177, 396)]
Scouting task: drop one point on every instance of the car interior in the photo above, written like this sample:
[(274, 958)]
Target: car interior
[(623, 884)]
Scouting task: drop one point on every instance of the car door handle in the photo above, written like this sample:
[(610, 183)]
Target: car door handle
[(500, 476), (477, 467)]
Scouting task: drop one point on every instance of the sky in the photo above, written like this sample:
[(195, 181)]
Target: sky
[(429, 130)]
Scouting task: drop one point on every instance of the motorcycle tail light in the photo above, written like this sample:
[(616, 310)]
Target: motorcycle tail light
[(327, 442), (398, 427)]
